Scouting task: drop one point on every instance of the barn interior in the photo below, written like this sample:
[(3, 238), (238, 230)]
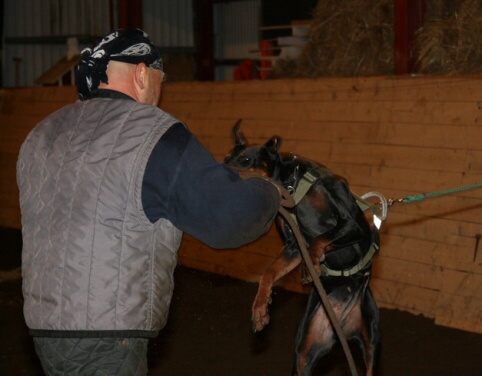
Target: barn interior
[(385, 93)]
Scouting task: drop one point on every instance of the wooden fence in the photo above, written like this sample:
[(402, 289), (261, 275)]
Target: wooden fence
[(398, 136)]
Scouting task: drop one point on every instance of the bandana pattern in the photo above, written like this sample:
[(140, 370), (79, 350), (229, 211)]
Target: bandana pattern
[(90, 72), (138, 49), (129, 46)]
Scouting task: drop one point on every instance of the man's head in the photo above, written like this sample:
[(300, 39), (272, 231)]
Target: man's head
[(126, 61)]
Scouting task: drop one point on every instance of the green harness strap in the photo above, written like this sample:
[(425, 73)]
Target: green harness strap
[(307, 180), (374, 248)]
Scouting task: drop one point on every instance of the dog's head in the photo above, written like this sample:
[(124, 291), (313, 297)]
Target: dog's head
[(261, 159)]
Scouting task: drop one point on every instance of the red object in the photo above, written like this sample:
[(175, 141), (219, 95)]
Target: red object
[(266, 65), (246, 71)]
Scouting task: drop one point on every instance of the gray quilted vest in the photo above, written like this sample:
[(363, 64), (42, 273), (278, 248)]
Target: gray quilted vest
[(92, 263)]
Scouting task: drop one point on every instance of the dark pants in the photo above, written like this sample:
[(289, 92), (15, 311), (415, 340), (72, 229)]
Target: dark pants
[(92, 356)]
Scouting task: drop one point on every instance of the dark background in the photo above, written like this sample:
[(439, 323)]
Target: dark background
[(209, 332)]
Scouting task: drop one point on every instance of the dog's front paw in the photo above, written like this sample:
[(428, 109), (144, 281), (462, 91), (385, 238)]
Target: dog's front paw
[(260, 315), (260, 322)]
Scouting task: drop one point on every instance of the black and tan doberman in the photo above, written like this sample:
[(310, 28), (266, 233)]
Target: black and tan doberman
[(341, 244)]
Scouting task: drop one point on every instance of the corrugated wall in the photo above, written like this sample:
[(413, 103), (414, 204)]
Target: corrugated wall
[(169, 22), (236, 33), (35, 32), (236, 29)]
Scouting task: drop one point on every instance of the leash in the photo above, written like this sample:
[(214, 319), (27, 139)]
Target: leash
[(319, 287), (287, 201), (422, 196), (379, 211)]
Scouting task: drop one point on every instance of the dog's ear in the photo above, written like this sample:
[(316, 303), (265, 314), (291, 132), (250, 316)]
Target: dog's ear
[(239, 138), (274, 143)]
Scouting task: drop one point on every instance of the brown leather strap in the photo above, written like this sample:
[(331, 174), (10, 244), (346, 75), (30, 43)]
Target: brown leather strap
[(287, 201), (321, 291)]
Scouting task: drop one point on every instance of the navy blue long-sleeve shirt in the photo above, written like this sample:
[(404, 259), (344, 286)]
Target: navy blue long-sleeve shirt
[(202, 197)]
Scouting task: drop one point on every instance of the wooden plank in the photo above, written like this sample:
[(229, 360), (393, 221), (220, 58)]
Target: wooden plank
[(459, 312), (399, 136), (37, 108), (405, 297), (448, 136), (408, 112), (437, 89), (431, 228), (413, 158), (10, 217), (430, 277), (58, 70), (457, 256), (15, 129), (423, 162), (64, 94)]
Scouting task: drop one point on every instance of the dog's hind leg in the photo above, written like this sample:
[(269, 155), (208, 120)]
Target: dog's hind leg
[(371, 333), (283, 264), (361, 324), (315, 337)]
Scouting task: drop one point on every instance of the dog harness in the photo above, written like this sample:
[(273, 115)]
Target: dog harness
[(379, 215)]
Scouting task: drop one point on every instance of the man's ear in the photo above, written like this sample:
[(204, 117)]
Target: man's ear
[(140, 75)]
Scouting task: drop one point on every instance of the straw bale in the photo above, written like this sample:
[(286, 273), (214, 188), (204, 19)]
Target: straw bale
[(450, 40), (347, 38), (356, 38)]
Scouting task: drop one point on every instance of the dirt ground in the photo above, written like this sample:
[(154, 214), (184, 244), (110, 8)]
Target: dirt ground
[(209, 332)]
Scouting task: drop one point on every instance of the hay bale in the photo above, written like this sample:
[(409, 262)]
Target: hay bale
[(356, 38), (347, 38), (450, 40)]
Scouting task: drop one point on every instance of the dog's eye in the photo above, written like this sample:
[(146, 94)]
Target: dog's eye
[(245, 161)]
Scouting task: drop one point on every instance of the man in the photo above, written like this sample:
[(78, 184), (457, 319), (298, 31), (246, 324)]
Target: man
[(107, 185)]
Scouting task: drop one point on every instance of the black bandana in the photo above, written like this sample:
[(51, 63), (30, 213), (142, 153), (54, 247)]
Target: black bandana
[(128, 46)]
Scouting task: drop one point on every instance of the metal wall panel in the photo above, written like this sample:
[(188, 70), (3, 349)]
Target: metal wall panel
[(236, 29), (33, 31), (169, 23)]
